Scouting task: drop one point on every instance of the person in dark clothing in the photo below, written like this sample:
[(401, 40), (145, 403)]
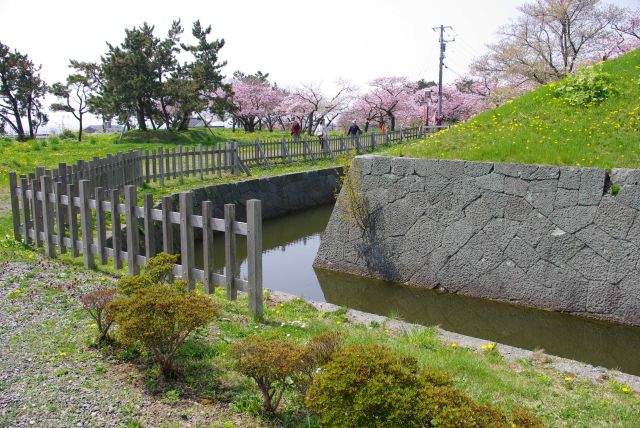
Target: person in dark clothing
[(354, 129), (295, 130)]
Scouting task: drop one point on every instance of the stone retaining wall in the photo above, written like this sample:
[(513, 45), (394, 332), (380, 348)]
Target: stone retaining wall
[(544, 236), (280, 194)]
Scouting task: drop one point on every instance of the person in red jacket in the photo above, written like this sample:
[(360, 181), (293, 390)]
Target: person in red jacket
[(295, 129)]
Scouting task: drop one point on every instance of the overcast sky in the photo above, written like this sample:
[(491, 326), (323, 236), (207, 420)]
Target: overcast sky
[(294, 41)]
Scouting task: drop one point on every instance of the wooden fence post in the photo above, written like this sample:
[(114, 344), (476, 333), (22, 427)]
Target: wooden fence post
[(60, 216), (187, 249), (47, 217), (149, 235), (230, 251), (167, 226), (116, 231), (85, 224), (15, 205), (37, 212), (154, 167), (73, 220), (133, 244), (254, 256), (207, 245), (26, 208), (180, 162), (161, 166), (101, 227), (200, 161)]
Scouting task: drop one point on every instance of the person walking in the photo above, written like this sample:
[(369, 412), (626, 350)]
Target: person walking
[(353, 132), (321, 133), (382, 127), (295, 129)]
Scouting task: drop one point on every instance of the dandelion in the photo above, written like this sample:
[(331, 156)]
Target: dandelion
[(338, 322), (625, 389), (568, 378), (282, 305), (491, 346), (386, 330), (453, 345), (93, 325), (103, 278), (63, 354), (277, 312)]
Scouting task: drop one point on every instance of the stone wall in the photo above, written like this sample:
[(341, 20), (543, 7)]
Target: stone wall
[(543, 236), (280, 194)]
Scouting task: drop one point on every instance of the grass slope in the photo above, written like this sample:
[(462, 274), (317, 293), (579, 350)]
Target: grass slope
[(540, 128)]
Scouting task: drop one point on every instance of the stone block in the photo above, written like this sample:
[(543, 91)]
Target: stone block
[(523, 254), (402, 166), (629, 195), (493, 182), (515, 186), (457, 234), (566, 198), (569, 178), (381, 165), (598, 240), (535, 226), (602, 298), (543, 172), (592, 182), (624, 176), (624, 261), (514, 170), (426, 167), (450, 168), (590, 265), (542, 186), (558, 248), (614, 218), (477, 169), (364, 163), (543, 202), (574, 218)]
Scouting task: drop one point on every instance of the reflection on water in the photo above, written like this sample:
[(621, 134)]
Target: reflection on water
[(290, 244)]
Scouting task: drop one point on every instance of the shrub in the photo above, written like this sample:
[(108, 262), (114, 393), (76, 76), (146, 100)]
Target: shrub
[(317, 353), (269, 363), (374, 387), (523, 418), (157, 271), (160, 318), (96, 302), (587, 87), (68, 134)]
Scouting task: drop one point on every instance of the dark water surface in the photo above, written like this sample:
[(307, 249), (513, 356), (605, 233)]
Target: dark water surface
[(290, 244)]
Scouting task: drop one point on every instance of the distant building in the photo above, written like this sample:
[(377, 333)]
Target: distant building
[(106, 126)]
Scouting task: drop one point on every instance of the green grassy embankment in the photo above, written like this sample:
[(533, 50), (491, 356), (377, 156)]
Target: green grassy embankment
[(541, 128)]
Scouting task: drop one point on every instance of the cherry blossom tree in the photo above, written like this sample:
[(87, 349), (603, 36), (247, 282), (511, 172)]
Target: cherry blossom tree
[(255, 101)]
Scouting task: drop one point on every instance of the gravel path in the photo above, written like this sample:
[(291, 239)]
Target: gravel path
[(51, 377)]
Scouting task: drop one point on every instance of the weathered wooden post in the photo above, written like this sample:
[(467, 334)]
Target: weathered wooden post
[(154, 166), (180, 173), (73, 220), (200, 165), (230, 251), (149, 235), (254, 256), (161, 166), (116, 231), (26, 208), (167, 226), (133, 244), (15, 205), (101, 227), (85, 224), (187, 246), (207, 245), (37, 212), (47, 216), (60, 216)]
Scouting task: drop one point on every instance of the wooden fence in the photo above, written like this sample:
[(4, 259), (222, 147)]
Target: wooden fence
[(45, 214), (158, 165)]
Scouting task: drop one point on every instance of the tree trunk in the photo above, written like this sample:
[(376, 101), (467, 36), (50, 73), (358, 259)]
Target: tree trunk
[(140, 116), (80, 122), (310, 124)]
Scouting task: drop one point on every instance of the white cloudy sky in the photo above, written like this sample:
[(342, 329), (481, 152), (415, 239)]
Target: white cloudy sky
[(295, 41)]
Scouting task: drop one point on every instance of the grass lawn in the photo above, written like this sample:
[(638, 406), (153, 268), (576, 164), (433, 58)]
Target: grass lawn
[(539, 128)]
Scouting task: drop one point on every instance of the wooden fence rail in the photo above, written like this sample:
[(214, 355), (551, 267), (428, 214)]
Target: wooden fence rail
[(137, 166), (46, 214)]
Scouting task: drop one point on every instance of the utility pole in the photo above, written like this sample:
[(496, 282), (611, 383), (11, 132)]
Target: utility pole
[(443, 47)]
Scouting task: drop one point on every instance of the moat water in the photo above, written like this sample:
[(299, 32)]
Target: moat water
[(290, 244)]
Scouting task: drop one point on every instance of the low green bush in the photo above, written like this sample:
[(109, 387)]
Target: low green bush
[(588, 87), (157, 271), (373, 386), (270, 363), (160, 318)]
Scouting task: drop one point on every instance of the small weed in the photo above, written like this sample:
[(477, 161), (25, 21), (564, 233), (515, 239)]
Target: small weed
[(171, 396), (615, 189)]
